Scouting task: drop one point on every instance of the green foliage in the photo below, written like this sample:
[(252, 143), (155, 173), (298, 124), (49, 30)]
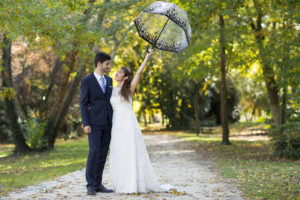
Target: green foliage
[(34, 131), (7, 92), (287, 143)]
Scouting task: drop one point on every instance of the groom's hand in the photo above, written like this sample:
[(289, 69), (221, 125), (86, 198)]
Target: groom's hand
[(87, 129)]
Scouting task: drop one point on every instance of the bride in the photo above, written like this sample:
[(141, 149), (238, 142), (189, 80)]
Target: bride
[(130, 167)]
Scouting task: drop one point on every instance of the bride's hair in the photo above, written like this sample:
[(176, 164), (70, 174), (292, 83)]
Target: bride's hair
[(125, 90)]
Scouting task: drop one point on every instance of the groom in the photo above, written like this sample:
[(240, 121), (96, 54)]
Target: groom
[(96, 114)]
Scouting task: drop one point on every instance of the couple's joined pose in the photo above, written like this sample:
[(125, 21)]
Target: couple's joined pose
[(108, 119)]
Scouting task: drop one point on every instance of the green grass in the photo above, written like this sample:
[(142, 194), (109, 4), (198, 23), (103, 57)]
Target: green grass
[(252, 166), (20, 171)]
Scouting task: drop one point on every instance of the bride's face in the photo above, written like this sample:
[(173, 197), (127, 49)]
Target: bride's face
[(119, 75)]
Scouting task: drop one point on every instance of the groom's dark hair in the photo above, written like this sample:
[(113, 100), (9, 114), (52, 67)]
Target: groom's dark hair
[(101, 57)]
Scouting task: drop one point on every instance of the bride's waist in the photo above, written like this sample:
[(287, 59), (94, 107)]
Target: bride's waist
[(122, 109)]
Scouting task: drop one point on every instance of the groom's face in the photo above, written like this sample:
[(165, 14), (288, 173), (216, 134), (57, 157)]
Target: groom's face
[(105, 66)]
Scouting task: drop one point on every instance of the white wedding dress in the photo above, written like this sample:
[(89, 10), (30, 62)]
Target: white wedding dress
[(130, 167)]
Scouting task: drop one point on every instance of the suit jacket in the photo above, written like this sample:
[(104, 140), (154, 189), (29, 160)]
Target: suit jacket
[(91, 95)]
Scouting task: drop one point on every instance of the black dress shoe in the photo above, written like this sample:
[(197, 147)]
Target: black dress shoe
[(90, 191), (101, 188)]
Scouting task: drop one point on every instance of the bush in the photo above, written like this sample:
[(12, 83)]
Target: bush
[(34, 131), (286, 140)]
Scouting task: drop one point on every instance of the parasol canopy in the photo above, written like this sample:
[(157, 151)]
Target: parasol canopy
[(165, 26)]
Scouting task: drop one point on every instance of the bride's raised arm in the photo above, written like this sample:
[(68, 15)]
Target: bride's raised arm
[(139, 72)]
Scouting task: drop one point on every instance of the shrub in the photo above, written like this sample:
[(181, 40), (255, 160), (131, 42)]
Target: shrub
[(34, 131), (286, 140)]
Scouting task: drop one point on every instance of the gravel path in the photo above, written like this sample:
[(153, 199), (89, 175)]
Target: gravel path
[(192, 173)]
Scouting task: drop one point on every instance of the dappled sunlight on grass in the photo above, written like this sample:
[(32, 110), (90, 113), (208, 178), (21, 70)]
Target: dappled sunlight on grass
[(6, 149), (20, 171)]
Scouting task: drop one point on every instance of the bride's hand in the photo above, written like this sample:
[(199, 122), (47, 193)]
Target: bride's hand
[(150, 52)]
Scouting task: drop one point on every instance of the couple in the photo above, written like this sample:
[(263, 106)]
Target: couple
[(107, 117)]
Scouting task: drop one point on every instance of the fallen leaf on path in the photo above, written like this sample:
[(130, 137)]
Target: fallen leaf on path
[(174, 191)]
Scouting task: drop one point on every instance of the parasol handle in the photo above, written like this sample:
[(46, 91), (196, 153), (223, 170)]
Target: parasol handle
[(149, 48)]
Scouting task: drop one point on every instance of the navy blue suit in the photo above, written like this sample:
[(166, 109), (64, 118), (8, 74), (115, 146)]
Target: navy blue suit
[(96, 112)]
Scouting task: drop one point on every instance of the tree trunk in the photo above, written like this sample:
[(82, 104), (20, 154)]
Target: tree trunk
[(196, 108), (18, 137), (43, 107), (150, 116), (268, 73), (145, 117), (285, 68), (283, 106), (51, 120), (65, 105), (197, 120), (273, 94), (139, 115), (253, 110), (225, 137), (57, 66)]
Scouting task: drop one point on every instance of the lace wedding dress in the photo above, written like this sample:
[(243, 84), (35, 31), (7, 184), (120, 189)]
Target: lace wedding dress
[(130, 167)]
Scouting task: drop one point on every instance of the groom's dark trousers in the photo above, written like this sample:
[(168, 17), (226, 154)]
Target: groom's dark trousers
[(99, 140), (96, 112)]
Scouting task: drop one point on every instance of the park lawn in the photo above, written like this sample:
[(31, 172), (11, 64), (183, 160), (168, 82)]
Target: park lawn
[(251, 165), (20, 171)]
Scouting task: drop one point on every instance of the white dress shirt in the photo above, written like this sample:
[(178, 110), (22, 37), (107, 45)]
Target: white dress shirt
[(98, 79)]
